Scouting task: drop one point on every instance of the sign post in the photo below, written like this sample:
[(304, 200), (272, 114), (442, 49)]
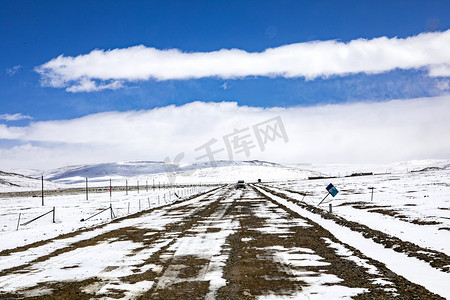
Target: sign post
[(332, 190)]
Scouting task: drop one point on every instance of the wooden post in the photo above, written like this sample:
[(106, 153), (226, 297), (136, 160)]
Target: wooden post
[(146, 185), (138, 186), (149, 206), (139, 204), (42, 189), (54, 214), (126, 187), (331, 208), (128, 207), (110, 206)]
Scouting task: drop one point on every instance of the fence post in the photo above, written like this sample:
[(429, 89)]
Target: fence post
[(110, 206), (18, 222), (139, 204), (42, 189), (331, 208), (126, 187), (87, 197), (146, 185), (128, 207), (138, 186), (110, 188), (54, 214), (371, 197)]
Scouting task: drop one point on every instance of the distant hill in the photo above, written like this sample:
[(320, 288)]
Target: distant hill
[(13, 182), (157, 172), (221, 171)]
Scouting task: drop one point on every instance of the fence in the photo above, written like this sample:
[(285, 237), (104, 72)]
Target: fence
[(31, 221), (158, 195)]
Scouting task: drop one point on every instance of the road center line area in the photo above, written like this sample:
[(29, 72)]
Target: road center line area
[(225, 244)]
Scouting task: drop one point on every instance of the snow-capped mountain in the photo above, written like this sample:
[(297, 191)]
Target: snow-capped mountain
[(219, 171), (157, 172)]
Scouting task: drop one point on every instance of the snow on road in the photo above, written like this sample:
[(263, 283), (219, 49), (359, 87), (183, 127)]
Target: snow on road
[(78, 257), (411, 268), (224, 244)]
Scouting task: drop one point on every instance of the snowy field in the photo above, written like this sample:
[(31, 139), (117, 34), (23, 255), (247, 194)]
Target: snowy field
[(71, 209), (413, 206), (270, 240)]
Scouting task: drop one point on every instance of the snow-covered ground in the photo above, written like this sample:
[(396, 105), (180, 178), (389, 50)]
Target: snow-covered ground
[(225, 244), (87, 261), (208, 240), (71, 209), (411, 268), (413, 206), (14, 182)]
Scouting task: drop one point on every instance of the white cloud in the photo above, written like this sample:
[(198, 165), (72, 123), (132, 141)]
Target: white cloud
[(309, 60), (14, 117), (13, 70), (362, 132), (441, 70)]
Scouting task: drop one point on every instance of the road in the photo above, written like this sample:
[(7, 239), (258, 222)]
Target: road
[(224, 244)]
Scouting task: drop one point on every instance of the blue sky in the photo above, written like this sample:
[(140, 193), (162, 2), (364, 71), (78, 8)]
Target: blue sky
[(67, 62), (34, 32)]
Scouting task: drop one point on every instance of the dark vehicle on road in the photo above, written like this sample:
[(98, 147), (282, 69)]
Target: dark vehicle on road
[(240, 184)]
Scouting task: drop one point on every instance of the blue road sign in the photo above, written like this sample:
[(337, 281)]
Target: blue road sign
[(332, 190)]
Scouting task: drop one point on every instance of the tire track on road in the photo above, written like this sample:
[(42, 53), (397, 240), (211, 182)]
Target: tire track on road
[(405, 287), (133, 234)]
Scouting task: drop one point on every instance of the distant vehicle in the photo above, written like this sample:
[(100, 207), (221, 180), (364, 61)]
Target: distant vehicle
[(240, 184)]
